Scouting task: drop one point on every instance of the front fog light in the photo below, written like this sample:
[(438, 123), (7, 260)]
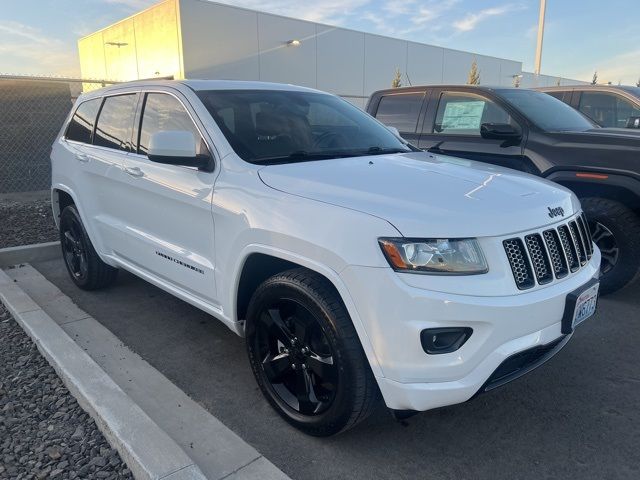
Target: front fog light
[(436, 341)]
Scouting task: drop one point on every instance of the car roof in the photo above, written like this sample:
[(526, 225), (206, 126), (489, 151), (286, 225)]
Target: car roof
[(199, 85), (415, 88)]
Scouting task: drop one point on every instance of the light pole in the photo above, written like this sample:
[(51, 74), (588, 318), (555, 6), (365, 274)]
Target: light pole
[(543, 7)]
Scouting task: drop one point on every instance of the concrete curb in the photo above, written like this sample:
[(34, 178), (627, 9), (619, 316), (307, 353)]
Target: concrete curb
[(38, 252), (146, 449)]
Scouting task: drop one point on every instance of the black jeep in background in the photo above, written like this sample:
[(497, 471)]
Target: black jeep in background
[(536, 133)]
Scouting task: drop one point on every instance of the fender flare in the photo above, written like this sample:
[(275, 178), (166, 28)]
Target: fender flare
[(330, 274), (597, 179)]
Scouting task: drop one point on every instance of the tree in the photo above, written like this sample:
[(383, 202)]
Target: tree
[(595, 78), (397, 79), (474, 74), (558, 82)]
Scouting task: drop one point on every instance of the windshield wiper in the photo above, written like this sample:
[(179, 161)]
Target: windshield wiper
[(302, 156), (375, 150)]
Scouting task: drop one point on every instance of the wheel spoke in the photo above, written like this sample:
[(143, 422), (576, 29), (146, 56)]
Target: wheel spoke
[(307, 401), (82, 264), (322, 368), (277, 366), (276, 326)]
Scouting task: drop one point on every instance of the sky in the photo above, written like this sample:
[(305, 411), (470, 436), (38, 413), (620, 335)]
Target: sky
[(581, 36)]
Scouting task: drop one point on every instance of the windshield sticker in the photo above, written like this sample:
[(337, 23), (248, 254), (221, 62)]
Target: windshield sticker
[(463, 115)]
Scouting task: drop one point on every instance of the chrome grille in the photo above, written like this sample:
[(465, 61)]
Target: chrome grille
[(554, 253)]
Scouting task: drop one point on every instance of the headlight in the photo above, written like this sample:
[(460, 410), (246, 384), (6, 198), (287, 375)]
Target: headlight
[(431, 255)]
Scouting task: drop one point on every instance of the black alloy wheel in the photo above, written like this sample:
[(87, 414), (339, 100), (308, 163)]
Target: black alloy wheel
[(306, 355), (83, 263), (296, 357), (73, 248), (615, 229), (606, 242)]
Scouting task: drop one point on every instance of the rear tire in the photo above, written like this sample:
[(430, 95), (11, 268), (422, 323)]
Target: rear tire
[(306, 355), (615, 229), (83, 263)]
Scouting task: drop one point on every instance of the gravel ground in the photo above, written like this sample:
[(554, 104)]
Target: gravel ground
[(26, 222), (43, 431)]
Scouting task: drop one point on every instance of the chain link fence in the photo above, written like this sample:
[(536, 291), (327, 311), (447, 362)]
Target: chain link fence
[(32, 111)]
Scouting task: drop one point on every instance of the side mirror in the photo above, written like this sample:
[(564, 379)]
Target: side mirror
[(499, 131), (633, 122), (175, 147)]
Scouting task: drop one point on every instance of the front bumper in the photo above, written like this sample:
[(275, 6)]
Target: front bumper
[(394, 313)]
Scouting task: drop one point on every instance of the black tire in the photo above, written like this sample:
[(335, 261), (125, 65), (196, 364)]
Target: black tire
[(308, 307), (83, 263), (616, 230)]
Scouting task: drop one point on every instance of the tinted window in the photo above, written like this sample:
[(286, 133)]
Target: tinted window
[(548, 113), (81, 124), (115, 122), (607, 109), (464, 113), (271, 126), (163, 112), (400, 111), (564, 96)]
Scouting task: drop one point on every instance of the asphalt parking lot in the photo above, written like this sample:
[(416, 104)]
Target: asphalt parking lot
[(577, 416)]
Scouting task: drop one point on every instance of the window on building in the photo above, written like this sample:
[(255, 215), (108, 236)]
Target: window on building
[(464, 113), (163, 112), (401, 111), (115, 121), (81, 125)]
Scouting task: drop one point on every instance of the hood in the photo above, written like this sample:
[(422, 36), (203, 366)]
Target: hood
[(628, 132), (426, 195)]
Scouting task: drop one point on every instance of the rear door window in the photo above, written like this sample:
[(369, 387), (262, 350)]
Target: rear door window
[(115, 122), (608, 109), (81, 125), (400, 110), (564, 96)]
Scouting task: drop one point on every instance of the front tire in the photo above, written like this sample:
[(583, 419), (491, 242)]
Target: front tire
[(615, 229), (83, 263), (306, 355)]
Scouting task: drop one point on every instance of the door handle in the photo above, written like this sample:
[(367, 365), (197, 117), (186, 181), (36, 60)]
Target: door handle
[(134, 171), (82, 157)]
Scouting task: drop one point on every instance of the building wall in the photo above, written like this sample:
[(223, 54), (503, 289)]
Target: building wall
[(149, 47), (529, 80), (226, 42), (203, 39)]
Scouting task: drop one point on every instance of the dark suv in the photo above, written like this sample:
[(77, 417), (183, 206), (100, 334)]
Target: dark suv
[(607, 105), (536, 133)]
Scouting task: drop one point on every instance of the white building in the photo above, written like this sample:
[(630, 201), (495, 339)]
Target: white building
[(202, 39)]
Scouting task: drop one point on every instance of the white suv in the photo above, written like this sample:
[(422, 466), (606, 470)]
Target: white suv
[(354, 264)]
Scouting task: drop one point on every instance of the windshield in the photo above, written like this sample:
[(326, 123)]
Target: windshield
[(547, 112), (272, 126)]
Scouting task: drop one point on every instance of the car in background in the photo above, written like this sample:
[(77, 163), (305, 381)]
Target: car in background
[(535, 133), (607, 105)]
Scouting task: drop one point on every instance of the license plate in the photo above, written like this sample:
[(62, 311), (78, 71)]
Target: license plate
[(585, 305)]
